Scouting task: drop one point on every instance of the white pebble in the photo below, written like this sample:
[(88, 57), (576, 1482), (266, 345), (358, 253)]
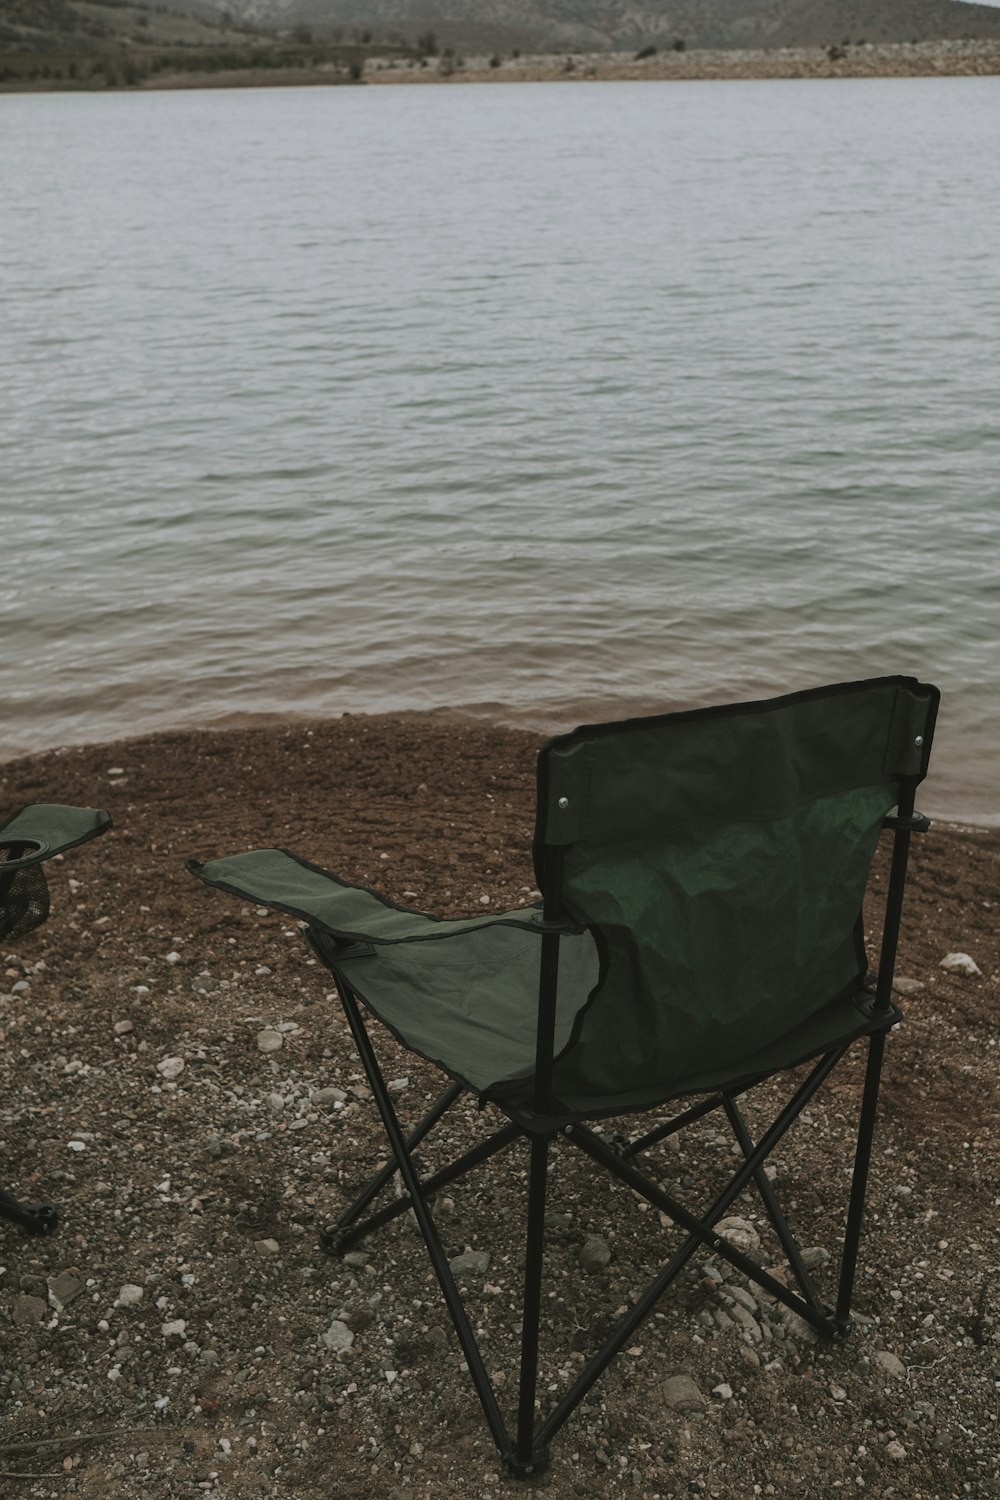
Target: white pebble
[(960, 963), (170, 1068), (269, 1041), (338, 1336)]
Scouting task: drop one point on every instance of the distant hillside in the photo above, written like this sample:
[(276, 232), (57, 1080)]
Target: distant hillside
[(597, 25), (121, 43), (128, 43), (94, 25)]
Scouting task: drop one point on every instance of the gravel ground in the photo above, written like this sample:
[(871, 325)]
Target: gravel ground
[(177, 1078)]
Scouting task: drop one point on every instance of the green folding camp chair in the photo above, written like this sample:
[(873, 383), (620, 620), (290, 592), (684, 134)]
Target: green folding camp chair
[(703, 876), (27, 840)]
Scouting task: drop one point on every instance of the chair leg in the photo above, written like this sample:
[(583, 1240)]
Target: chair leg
[(428, 1229), (39, 1218), (859, 1183), (527, 1459)]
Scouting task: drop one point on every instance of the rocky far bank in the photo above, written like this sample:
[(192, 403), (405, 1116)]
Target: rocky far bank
[(130, 72), (868, 60)]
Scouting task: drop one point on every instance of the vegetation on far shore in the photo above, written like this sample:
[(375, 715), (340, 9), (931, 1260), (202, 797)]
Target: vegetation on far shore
[(101, 44), (83, 44)]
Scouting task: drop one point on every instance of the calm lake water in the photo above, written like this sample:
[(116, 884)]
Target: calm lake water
[(550, 401)]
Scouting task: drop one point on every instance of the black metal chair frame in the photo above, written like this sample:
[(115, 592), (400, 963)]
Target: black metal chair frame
[(24, 905), (525, 1452), (21, 854)]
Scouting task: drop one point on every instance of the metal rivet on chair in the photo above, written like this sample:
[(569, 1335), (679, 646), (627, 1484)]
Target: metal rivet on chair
[(919, 740), (563, 803)]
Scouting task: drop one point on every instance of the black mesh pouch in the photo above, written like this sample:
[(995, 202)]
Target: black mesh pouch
[(24, 891)]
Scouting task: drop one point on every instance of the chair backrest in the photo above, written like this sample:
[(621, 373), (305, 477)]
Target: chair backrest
[(720, 858)]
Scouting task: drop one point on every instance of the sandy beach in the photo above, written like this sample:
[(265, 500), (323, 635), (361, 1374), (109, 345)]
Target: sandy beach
[(169, 1339)]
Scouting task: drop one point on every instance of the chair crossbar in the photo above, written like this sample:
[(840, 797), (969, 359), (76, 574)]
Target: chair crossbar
[(348, 1233), (701, 1230), (789, 1244), (671, 1127), (700, 1233), (388, 1172)]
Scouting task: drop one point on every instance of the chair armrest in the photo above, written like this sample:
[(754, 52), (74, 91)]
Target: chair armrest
[(348, 913), (52, 828)]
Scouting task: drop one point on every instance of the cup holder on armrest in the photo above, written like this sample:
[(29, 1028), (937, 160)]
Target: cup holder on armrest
[(24, 891), (28, 851)]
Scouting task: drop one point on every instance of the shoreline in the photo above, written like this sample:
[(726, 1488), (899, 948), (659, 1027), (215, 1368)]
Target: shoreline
[(937, 59), (534, 724)]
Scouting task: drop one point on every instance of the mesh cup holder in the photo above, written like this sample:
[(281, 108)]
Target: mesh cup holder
[(24, 891)]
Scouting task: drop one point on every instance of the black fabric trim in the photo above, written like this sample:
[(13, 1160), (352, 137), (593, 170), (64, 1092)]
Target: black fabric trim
[(717, 710), (757, 705)]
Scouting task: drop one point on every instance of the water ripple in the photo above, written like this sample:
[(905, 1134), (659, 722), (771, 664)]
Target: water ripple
[(549, 402)]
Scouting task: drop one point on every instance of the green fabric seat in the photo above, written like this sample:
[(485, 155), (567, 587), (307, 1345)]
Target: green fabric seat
[(702, 877)]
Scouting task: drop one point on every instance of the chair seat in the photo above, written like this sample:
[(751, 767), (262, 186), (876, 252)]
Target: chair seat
[(469, 1004), (473, 1016)]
